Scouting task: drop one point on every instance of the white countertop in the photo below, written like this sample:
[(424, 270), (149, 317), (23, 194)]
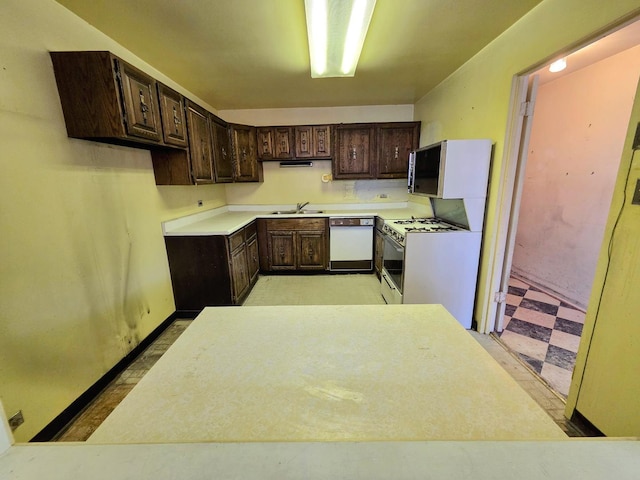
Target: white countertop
[(226, 220), (326, 373), (524, 460)]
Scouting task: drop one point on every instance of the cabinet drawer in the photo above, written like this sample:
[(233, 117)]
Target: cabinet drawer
[(297, 224), (236, 240), (250, 231)]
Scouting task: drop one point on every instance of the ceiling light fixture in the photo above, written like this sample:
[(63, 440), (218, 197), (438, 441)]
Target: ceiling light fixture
[(558, 65), (336, 30)]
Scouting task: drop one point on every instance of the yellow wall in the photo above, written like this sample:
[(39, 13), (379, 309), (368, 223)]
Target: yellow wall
[(474, 102), (84, 274), (293, 185)]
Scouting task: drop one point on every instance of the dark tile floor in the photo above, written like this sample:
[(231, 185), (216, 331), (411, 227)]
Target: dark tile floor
[(544, 332)]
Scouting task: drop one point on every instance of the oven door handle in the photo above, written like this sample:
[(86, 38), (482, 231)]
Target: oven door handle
[(387, 281)]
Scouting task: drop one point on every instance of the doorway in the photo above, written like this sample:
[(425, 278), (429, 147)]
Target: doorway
[(567, 173)]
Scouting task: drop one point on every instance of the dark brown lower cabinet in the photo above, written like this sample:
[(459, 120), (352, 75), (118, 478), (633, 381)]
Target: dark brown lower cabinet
[(293, 244), (213, 270)]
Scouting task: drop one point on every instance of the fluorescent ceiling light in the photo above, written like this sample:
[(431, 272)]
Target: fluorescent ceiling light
[(558, 65), (336, 31)]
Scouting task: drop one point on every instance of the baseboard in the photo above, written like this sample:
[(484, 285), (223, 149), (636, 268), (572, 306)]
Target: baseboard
[(584, 425), (50, 431)]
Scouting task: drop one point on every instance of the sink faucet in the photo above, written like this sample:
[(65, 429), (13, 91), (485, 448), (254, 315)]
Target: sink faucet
[(300, 206)]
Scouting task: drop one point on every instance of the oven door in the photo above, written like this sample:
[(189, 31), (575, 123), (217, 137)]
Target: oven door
[(392, 271)]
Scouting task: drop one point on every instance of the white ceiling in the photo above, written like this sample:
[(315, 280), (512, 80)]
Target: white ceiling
[(253, 53)]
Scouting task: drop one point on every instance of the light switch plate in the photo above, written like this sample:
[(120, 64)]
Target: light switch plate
[(636, 194)]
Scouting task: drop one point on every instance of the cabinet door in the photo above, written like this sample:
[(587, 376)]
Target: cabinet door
[(304, 142), (246, 159), (200, 150), (174, 128), (253, 261), (139, 96), (222, 157), (282, 142), (265, 143), (355, 146), (311, 250), (395, 142), (239, 272), (282, 252), (322, 141)]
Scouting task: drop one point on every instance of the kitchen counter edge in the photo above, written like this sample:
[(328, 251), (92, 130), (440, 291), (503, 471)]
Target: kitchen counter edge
[(230, 218)]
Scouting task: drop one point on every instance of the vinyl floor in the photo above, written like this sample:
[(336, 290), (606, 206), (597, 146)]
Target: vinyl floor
[(544, 332)]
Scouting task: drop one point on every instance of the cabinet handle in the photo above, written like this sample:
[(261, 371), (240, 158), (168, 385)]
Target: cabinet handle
[(397, 152), (224, 152), (143, 107), (244, 154), (321, 141), (354, 153), (176, 119)]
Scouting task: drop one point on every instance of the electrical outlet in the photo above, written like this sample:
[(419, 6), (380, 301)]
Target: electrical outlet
[(200, 203), (16, 420)]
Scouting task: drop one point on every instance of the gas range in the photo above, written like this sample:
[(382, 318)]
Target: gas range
[(397, 229)]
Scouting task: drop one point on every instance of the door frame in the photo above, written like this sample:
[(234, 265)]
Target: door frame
[(499, 250)]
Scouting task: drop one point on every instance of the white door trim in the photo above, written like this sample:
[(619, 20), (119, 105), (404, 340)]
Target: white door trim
[(498, 238)]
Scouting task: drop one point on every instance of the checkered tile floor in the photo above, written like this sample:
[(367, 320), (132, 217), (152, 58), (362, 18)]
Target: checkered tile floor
[(544, 332)]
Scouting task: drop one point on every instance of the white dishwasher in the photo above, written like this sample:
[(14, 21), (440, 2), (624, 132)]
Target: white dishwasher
[(351, 244)]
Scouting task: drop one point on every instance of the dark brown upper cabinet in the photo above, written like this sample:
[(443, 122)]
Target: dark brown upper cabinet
[(355, 149), (395, 141), (174, 126), (222, 154), (245, 161), (105, 99), (200, 143), (313, 141), (275, 143)]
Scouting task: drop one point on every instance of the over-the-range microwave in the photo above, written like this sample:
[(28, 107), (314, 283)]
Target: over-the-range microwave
[(451, 169)]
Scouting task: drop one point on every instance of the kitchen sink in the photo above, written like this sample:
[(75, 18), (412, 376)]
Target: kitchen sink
[(296, 212)]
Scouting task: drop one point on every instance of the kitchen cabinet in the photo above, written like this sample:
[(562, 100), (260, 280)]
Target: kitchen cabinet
[(293, 244), (275, 143), (200, 143), (222, 155), (105, 99), (209, 158), (374, 150), (355, 147), (246, 165), (210, 270), (174, 126), (395, 141), (313, 141)]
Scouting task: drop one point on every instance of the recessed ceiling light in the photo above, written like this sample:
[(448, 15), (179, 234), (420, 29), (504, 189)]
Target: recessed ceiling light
[(336, 30), (558, 65)]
